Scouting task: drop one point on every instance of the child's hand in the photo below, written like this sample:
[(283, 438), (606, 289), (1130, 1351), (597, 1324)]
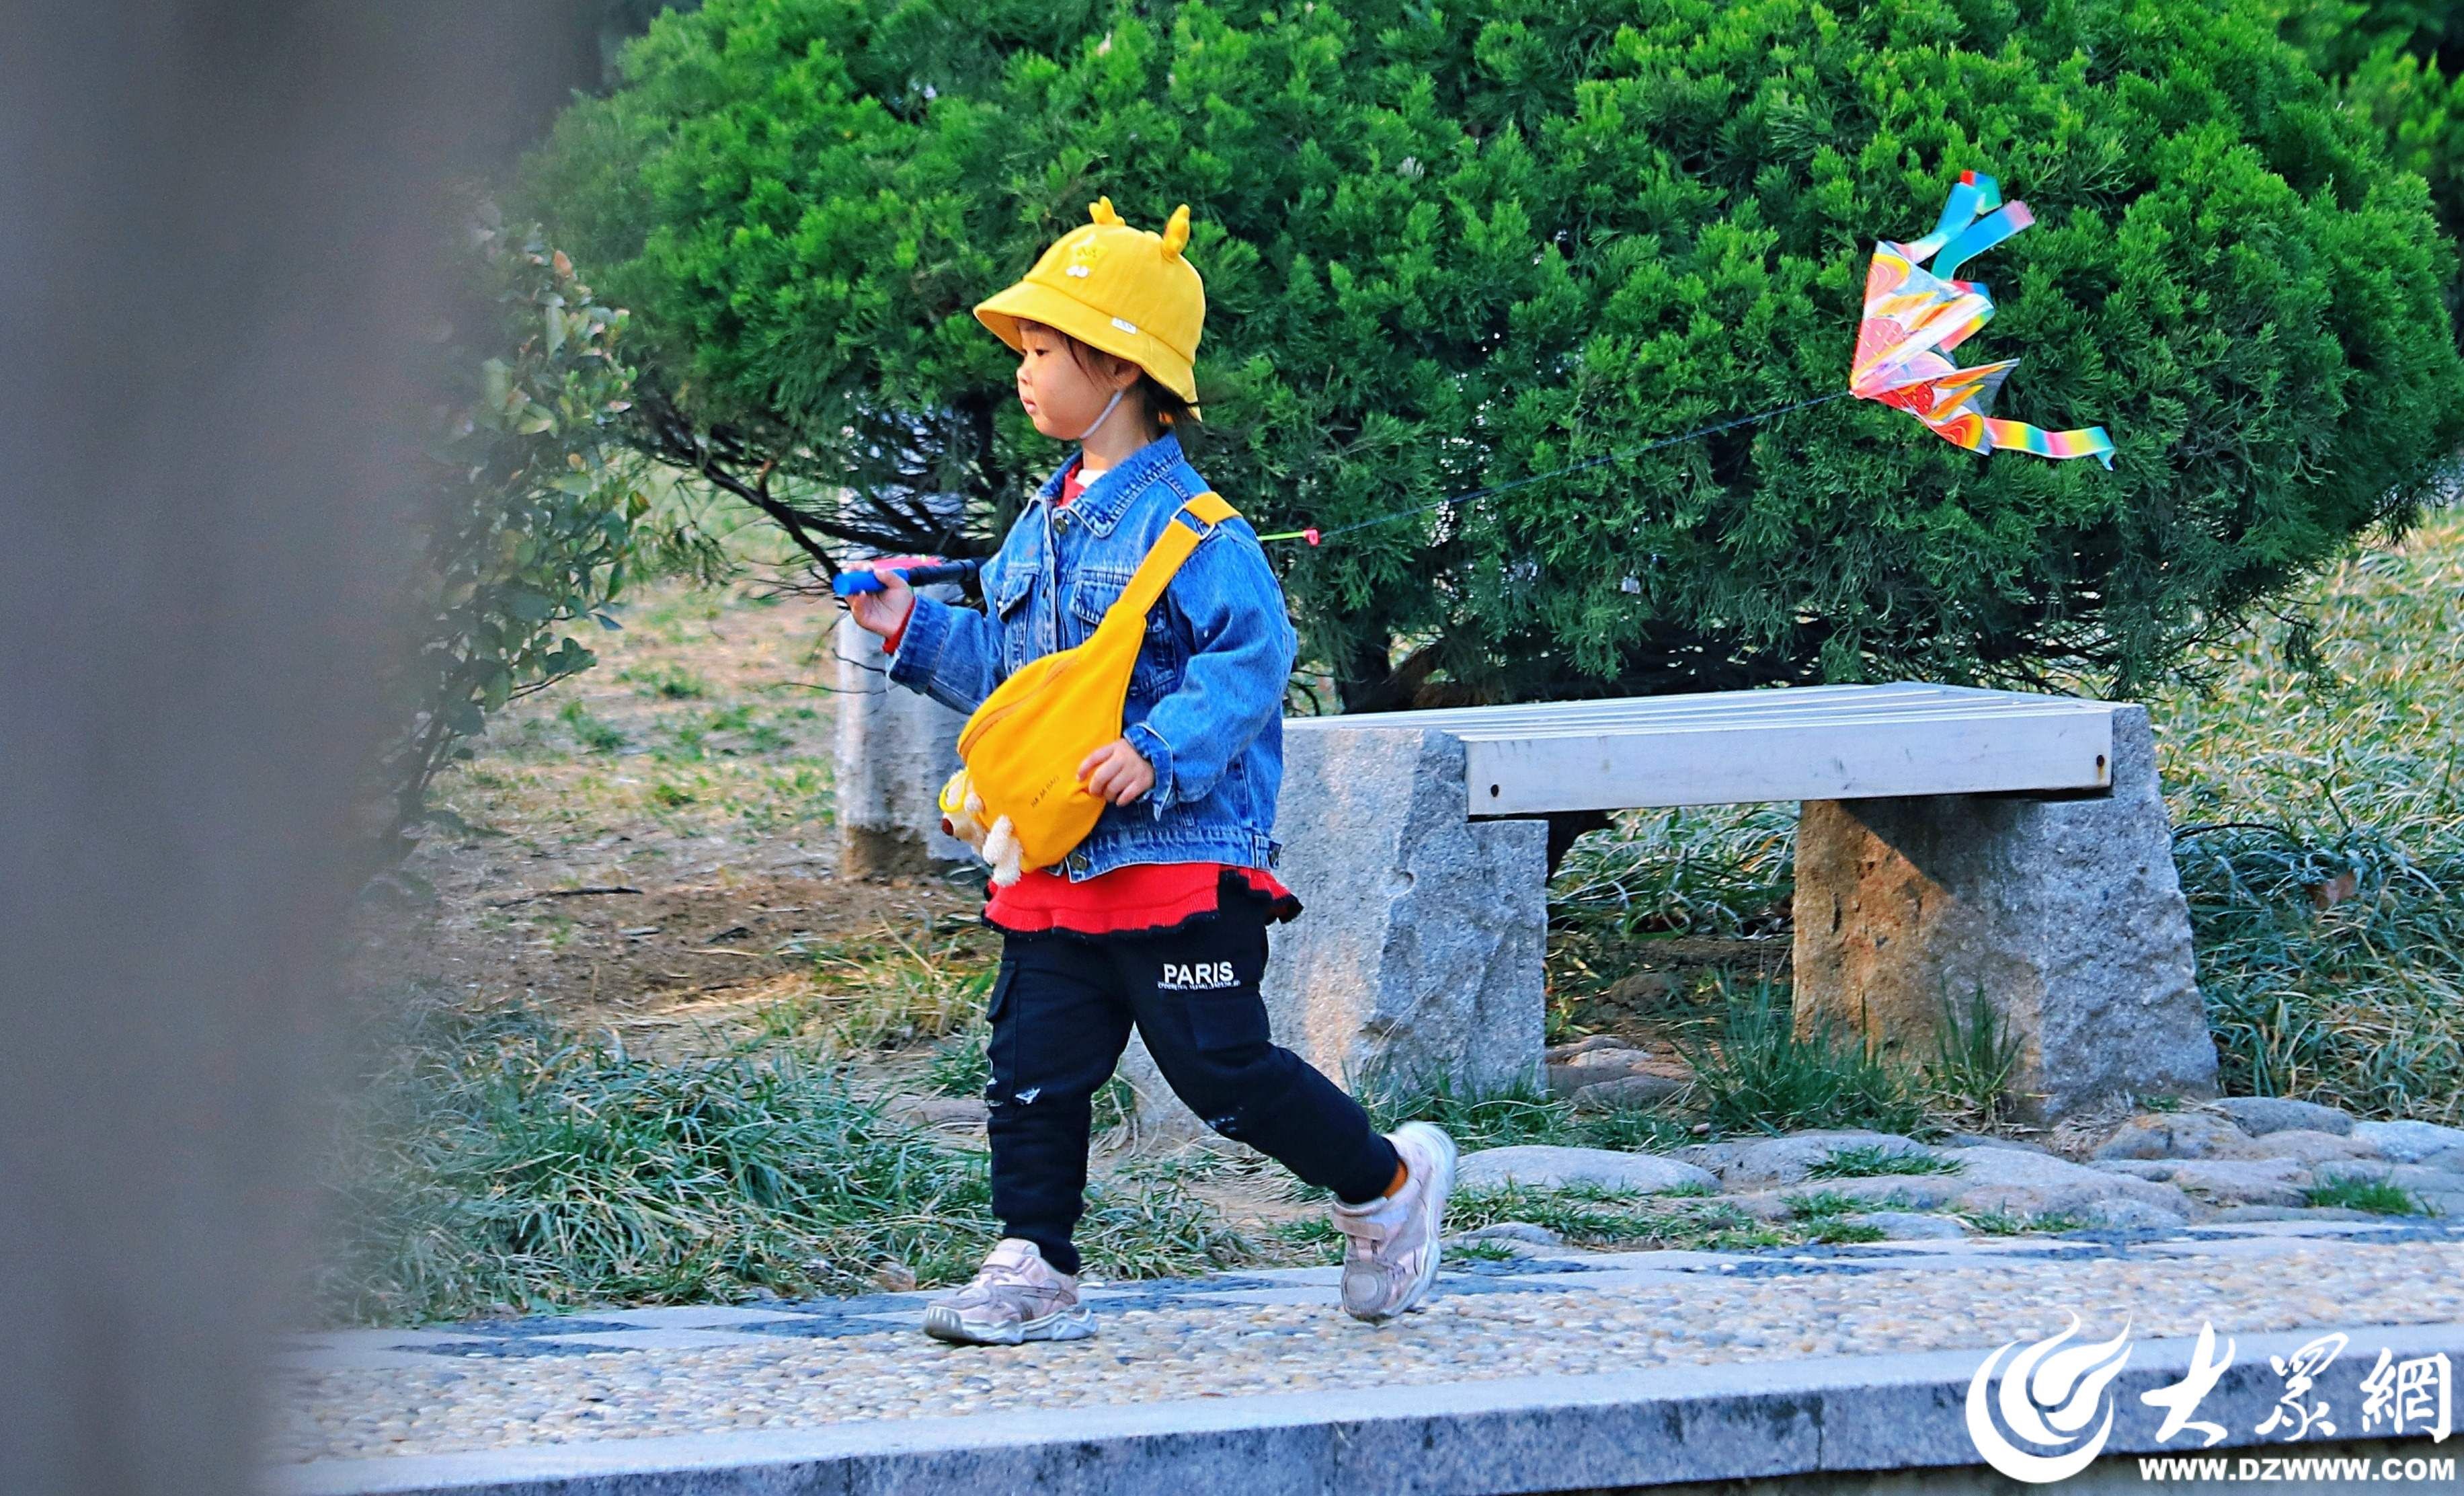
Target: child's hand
[(885, 612), (1116, 772)]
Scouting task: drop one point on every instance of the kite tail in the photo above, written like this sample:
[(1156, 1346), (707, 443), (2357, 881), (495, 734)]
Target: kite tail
[(2088, 441)]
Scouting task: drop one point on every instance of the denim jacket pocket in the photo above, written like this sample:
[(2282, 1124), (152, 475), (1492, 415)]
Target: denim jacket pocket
[(1007, 601), (1092, 592)]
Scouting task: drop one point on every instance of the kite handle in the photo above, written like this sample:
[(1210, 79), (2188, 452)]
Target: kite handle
[(848, 584)]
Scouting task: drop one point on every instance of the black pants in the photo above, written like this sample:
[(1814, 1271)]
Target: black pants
[(1060, 1013)]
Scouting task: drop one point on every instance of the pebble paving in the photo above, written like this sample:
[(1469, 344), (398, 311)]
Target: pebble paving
[(357, 1393)]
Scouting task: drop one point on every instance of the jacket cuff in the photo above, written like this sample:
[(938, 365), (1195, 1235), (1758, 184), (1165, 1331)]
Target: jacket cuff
[(917, 646), (1158, 754)]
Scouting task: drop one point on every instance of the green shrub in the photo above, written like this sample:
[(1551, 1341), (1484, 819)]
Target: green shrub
[(1451, 246), (2399, 65), (532, 510)]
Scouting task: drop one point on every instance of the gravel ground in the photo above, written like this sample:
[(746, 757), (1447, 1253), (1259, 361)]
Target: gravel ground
[(375, 1392)]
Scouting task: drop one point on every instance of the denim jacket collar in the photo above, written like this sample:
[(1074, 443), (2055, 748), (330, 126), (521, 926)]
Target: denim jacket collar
[(1108, 498)]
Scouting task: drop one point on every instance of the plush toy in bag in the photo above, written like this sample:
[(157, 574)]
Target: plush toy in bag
[(963, 813)]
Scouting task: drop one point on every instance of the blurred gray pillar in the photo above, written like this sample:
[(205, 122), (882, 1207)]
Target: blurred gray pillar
[(216, 232), (896, 748)]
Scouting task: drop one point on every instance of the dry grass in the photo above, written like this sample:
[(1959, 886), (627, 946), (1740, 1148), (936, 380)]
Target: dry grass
[(2321, 839)]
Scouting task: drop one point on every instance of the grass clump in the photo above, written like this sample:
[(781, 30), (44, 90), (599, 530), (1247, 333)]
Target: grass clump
[(594, 734), (1975, 1060), (961, 1065), (2006, 1223), (1871, 1160), (890, 989), (1821, 1205), (1591, 1215), (1760, 1075), (493, 1159), (2360, 1192), (666, 683)]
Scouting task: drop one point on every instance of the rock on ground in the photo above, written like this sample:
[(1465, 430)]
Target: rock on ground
[(2303, 1145), (2261, 1115), (1547, 1166), (2407, 1142), (1592, 1067), (2131, 1215), (1520, 1240), (2413, 1176), (1627, 1092), (2238, 1212), (2036, 1184), (1529, 1233), (1785, 1160), (2006, 1181), (1566, 1053), (2225, 1181), (1990, 1140), (1905, 1225), (2173, 1135)]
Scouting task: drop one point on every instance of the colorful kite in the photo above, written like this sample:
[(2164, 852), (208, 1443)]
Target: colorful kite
[(1914, 316)]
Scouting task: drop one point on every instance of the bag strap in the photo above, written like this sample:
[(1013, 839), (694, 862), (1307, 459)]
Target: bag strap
[(1194, 521)]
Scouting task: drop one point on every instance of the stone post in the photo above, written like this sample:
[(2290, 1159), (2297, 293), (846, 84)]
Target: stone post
[(1419, 960), (2066, 913), (896, 750)]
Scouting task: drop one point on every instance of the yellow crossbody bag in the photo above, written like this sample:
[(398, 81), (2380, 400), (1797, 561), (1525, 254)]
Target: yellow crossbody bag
[(1024, 745)]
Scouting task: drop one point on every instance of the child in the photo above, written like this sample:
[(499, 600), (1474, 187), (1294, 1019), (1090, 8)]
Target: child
[(1159, 917)]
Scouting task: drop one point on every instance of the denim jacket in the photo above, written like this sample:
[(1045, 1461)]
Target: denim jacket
[(1206, 698)]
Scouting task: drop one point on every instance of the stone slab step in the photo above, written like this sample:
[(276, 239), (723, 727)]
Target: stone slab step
[(1637, 1429)]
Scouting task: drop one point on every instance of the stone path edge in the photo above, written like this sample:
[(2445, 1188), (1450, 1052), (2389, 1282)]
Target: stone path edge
[(1664, 1425)]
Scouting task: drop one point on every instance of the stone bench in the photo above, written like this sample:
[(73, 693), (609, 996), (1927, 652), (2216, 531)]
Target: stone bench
[(1950, 840)]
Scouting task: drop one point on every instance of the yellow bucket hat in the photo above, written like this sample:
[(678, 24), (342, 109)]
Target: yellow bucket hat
[(1125, 291)]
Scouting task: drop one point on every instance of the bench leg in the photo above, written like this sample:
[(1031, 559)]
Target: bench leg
[(2067, 914), (1419, 960)]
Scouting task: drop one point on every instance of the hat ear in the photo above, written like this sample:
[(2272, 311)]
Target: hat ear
[(1101, 211), (1176, 233)]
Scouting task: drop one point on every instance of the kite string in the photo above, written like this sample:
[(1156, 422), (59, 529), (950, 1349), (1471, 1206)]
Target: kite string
[(1315, 536)]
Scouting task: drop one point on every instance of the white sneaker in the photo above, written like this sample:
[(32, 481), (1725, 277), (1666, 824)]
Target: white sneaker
[(1390, 1246), (1016, 1297)]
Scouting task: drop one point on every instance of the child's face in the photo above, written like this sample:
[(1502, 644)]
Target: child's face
[(1062, 394)]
